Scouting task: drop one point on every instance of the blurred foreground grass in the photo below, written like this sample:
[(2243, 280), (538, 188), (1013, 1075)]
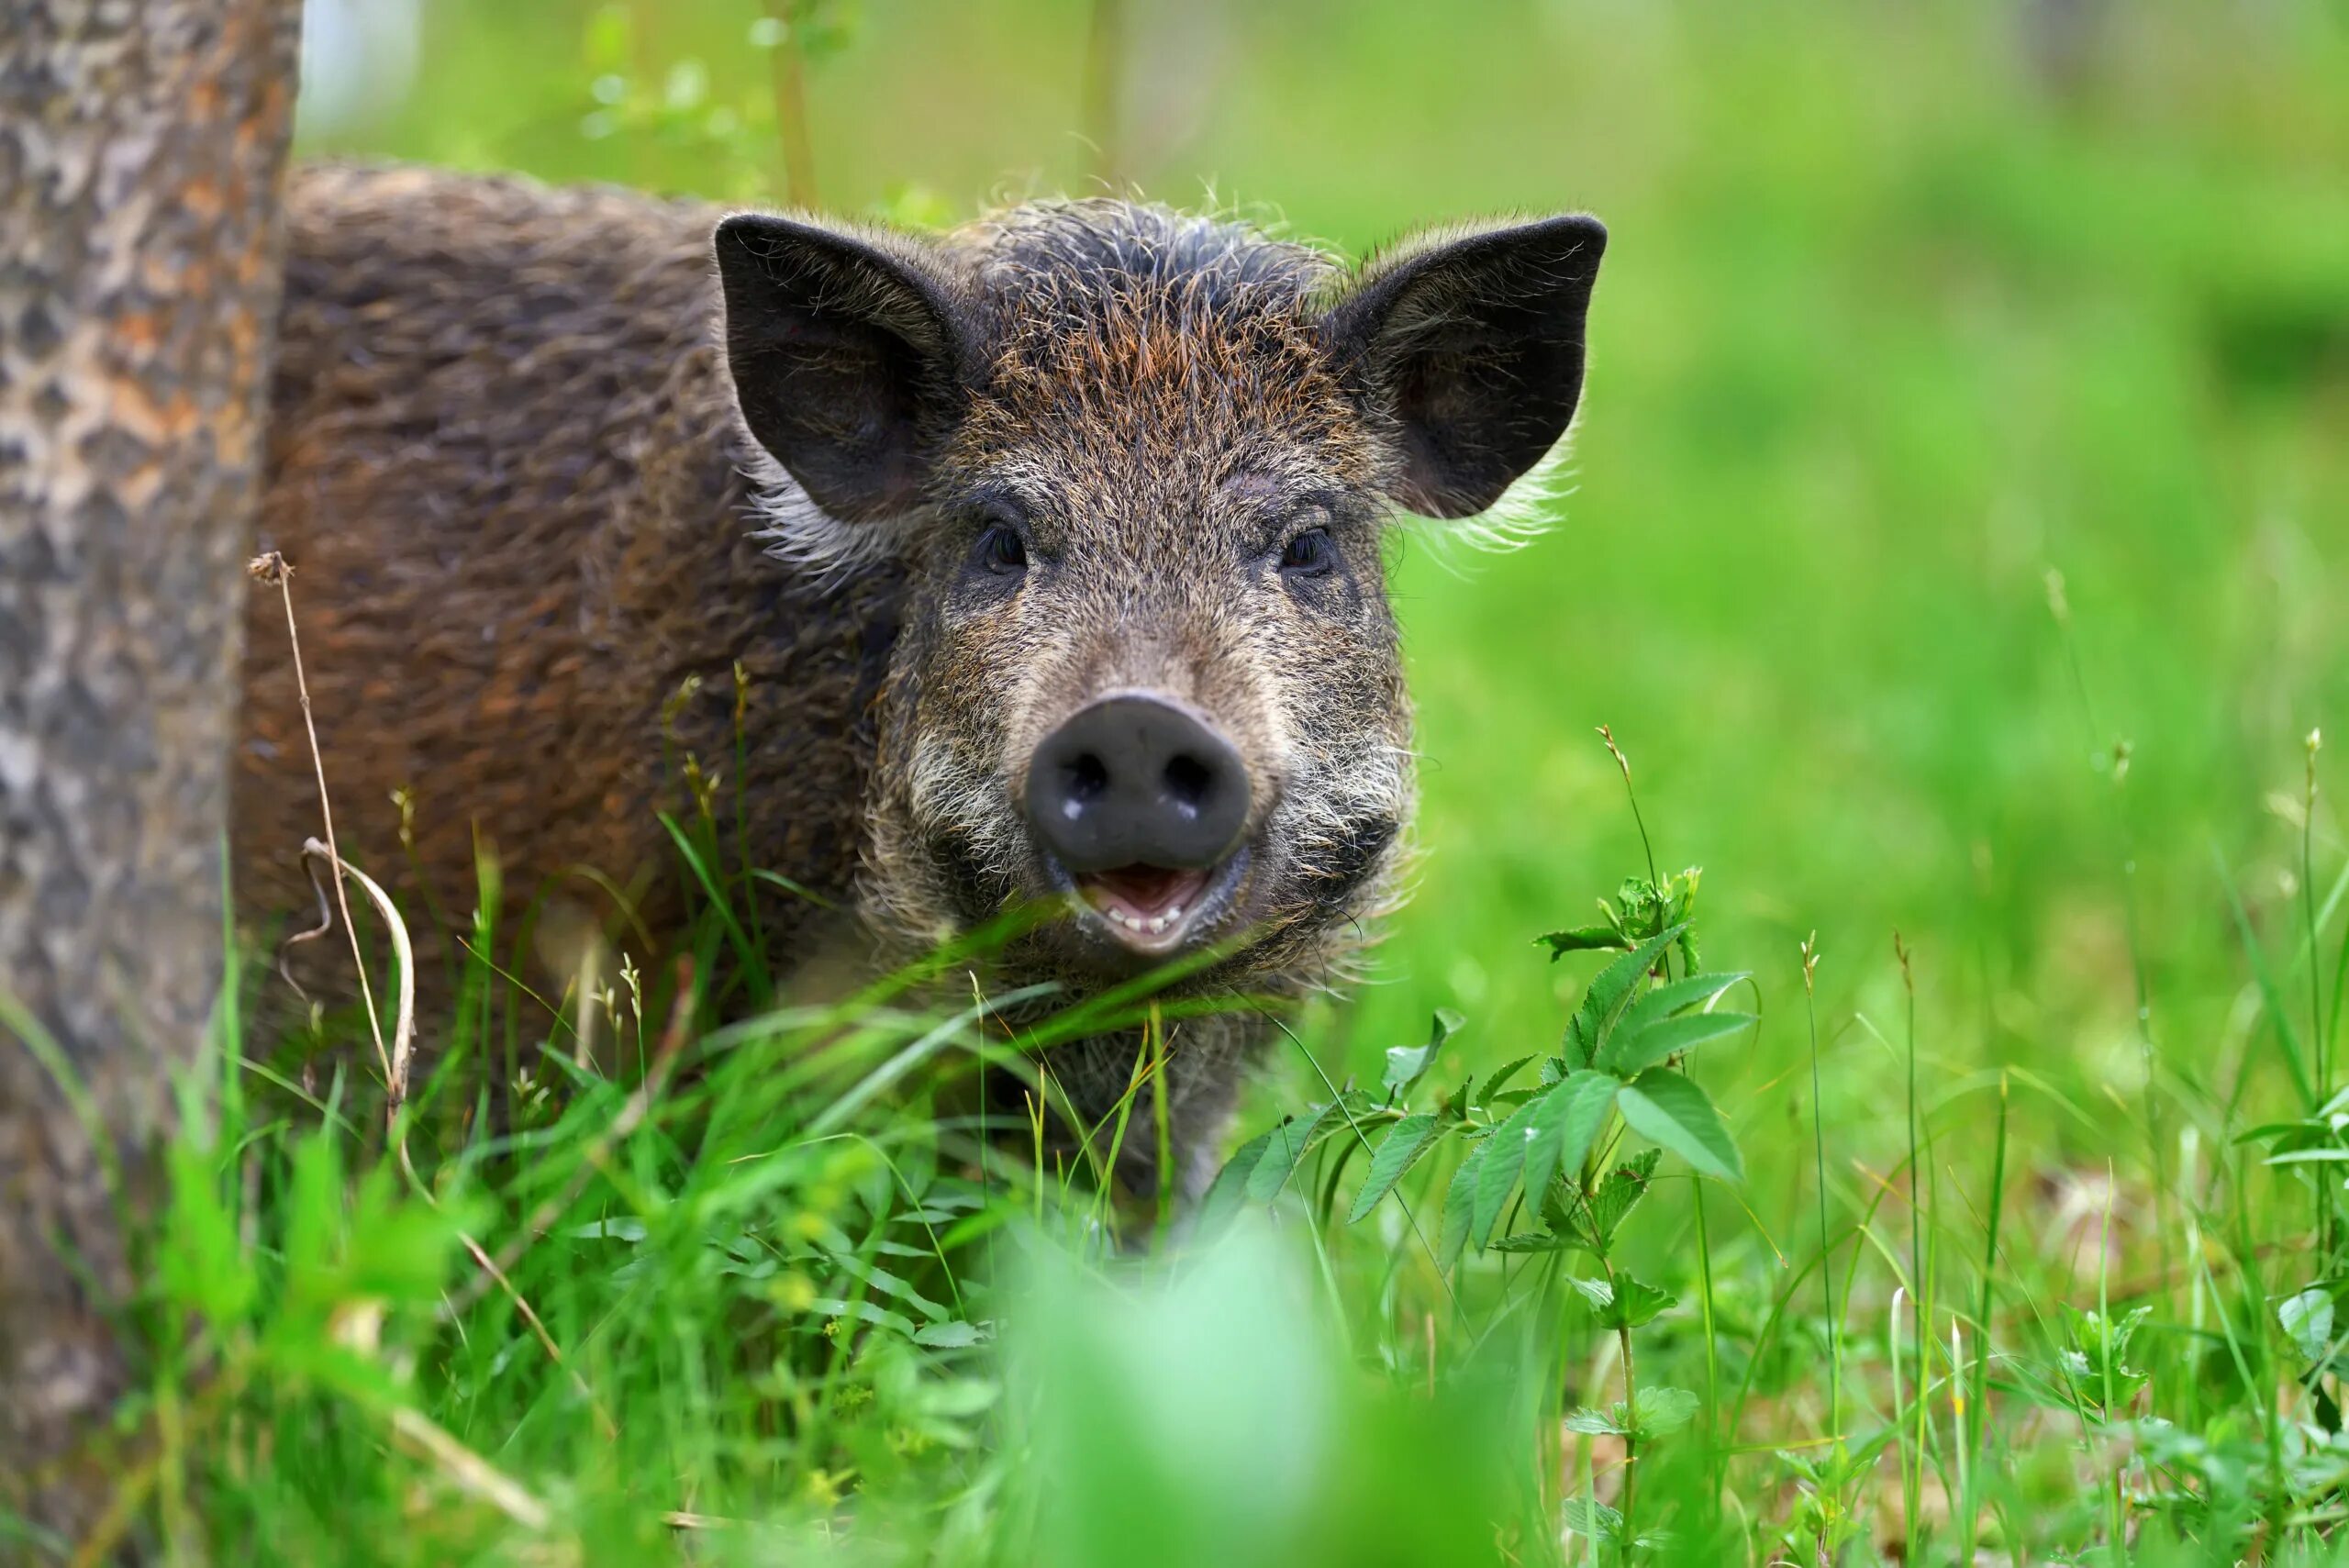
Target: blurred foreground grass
[(1960, 548)]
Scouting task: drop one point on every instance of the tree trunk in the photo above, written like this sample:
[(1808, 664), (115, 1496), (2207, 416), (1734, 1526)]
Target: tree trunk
[(142, 149)]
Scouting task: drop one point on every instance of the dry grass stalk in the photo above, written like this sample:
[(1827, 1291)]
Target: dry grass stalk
[(273, 570)]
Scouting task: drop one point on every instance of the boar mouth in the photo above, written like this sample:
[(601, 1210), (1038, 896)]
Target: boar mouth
[(1151, 910)]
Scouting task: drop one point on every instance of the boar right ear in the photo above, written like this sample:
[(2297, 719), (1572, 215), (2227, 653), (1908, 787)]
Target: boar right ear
[(1472, 343), (846, 360)]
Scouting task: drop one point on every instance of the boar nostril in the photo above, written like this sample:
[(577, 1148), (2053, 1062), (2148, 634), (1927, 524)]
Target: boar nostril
[(1189, 782), (1088, 778), (1137, 779)]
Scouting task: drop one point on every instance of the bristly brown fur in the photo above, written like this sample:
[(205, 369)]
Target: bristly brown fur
[(511, 462)]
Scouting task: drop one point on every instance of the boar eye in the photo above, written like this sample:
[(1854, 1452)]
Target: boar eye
[(1310, 554), (1001, 551)]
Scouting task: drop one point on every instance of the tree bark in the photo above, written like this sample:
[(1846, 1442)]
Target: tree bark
[(142, 150)]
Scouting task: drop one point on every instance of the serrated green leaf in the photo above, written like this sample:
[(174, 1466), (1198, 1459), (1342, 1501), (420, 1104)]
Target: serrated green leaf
[(1459, 1205), (1604, 1003), (1628, 1302), (1493, 1084), (1620, 1192), (1679, 996), (1627, 1053), (1288, 1147), (1567, 1122), (1503, 1162), (1595, 1423), (1637, 1303), (1531, 1241), (1401, 1149), (1656, 1411), (1592, 1519), (1229, 1188), (1669, 1108), (1581, 939)]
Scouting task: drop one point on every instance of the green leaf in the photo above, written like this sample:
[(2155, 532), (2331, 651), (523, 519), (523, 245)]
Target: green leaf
[(1667, 1108), (1531, 1241), (1230, 1189), (1401, 1149), (1592, 1519), (1407, 1064), (1637, 1303), (1679, 996), (2096, 1359), (1581, 939), (1628, 1051), (954, 1335), (1608, 994), (887, 1283), (863, 1312), (1504, 1161), (1567, 1122), (1622, 1191), (203, 1266), (312, 1208), (1286, 1149), (1493, 1084), (1627, 1304), (2307, 1320), (1655, 1412), (1459, 1205), (1659, 1410)]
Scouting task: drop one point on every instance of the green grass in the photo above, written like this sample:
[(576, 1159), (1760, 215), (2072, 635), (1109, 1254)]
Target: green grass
[(1962, 522)]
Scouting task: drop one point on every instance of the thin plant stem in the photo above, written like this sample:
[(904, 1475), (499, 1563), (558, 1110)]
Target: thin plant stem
[(1103, 111), (1826, 1242), (1712, 1353), (1630, 1436), (788, 63), (2319, 1046), (1983, 1319), (1912, 1471), (1607, 734)]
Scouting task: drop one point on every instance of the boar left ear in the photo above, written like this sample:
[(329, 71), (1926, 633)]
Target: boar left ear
[(846, 359), (1473, 345)]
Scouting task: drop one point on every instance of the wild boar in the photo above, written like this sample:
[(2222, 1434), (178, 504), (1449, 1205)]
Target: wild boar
[(1050, 551)]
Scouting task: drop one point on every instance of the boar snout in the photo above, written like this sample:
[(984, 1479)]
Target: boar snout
[(1142, 802)]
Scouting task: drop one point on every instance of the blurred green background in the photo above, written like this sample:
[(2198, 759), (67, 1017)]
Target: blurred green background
[(1908, 306)]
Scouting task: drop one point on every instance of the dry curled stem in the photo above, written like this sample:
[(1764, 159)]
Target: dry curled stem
[(273, 570)]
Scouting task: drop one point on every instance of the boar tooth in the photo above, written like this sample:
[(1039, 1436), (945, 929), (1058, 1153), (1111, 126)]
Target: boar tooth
[(1157, 924)]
